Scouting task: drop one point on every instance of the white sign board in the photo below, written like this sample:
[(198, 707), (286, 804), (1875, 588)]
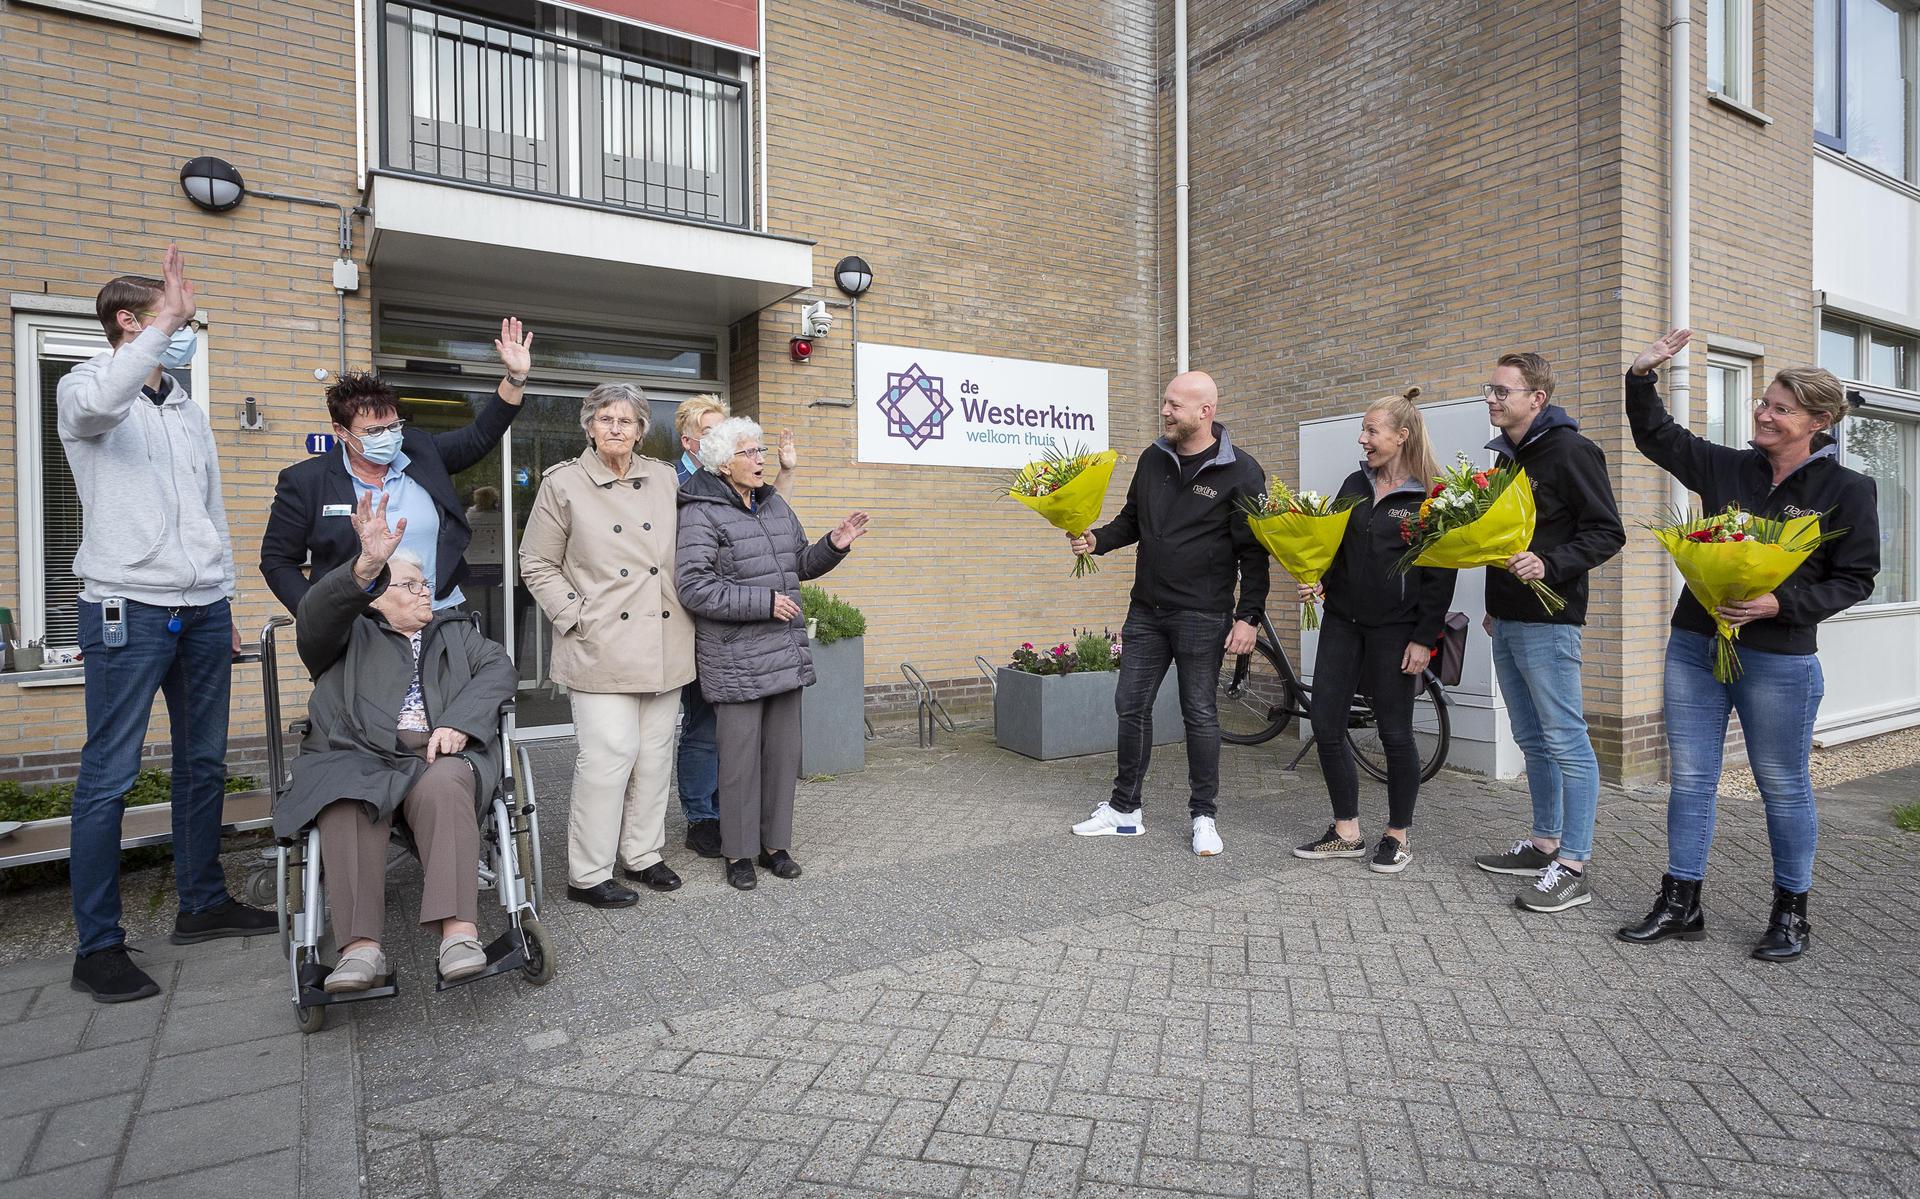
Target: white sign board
[(935, 408)]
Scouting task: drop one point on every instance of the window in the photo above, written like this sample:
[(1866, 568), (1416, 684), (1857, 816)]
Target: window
[(1882, 448), (1729, 399), (1863, 88), (49, 505), (1730, 49), (168, 16), (1870, 353)]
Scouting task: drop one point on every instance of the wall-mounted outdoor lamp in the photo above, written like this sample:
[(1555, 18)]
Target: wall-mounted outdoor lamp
[(213, 183)]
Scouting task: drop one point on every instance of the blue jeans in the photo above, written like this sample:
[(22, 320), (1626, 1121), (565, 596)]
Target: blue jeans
[(1538, 666), (1777, 696), (698, 760), (1194, 644), (194, 670)]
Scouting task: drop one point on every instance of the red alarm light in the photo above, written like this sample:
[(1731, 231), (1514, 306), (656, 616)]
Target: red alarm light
[(801, 348)]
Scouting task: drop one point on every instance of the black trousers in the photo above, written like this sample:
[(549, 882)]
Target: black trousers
[(1354, 658), (1193, 644)]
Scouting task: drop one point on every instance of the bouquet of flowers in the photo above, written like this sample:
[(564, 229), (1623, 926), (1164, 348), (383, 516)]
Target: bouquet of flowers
[(1066, 488), (1735, 556), (1475, 516), (1302, 530)]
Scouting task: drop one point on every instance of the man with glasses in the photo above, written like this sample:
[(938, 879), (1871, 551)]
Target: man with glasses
[(156, 589), (1536, 654), (310, 528)]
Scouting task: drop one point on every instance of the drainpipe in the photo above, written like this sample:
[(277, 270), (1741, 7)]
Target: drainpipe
[(1680, 217), (1181, 266)]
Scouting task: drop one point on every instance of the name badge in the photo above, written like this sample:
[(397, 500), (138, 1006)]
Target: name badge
[(337, 510)]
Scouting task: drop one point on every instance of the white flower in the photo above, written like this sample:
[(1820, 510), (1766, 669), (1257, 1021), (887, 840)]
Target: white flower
[(1741, 518), (1311, 497)]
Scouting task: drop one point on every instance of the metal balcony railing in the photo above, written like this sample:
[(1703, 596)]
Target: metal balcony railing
[(499, 106)]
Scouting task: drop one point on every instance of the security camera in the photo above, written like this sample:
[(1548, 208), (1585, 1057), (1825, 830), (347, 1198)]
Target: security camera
[(815, 320)]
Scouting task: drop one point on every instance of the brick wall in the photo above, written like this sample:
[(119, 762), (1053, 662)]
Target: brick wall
[(89, 189)]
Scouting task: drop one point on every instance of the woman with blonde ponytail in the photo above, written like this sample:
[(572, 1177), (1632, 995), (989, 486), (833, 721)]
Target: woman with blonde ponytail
[(1378, 632)]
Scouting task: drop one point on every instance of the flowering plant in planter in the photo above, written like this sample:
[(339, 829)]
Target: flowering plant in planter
[(1089, 652)]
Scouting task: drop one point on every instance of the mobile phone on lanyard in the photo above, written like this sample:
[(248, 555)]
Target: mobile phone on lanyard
[(113, 615)]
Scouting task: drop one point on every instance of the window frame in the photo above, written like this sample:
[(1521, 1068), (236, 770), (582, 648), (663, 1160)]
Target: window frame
[(1909, 430), (1742, 412), (1739, 27), (1861, 332), (1898, 405), (187, 25), (1909, 13), (30, 449)]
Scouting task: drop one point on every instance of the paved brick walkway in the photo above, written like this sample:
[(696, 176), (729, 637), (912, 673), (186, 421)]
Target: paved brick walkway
[(961, 999)]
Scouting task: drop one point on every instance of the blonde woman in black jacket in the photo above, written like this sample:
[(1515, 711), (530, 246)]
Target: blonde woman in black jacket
[(1378, 633)]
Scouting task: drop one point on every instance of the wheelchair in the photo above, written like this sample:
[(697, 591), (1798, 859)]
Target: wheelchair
[(510, 845)]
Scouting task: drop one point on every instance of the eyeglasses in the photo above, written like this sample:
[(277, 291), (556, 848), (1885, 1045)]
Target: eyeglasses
[(1494, 391), (622, 423), (377, 430), (756, 452), (414, 586)]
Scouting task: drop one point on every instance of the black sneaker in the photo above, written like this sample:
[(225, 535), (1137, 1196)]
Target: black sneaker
[(1390, 856), (781, 863), (703, 838), (110, 976), (1331, 845), (230, 919)]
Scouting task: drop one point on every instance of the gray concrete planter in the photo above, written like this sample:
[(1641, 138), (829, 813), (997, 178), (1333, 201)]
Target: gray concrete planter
[(833, 714), (1064, 716)]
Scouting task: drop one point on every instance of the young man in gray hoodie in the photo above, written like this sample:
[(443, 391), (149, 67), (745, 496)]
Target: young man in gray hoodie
[(156, 572)]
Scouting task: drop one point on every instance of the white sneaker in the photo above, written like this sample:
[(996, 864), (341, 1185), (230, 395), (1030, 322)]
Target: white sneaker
[(1105, 822), (1206, 838)]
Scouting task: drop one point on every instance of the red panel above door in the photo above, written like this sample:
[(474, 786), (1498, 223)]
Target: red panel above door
[(734, 23)]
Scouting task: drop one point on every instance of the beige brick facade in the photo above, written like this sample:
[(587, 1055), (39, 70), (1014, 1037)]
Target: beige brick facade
[(1382, 195)]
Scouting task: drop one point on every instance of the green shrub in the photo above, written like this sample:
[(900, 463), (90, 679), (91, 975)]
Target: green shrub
[(1907, 818), (47, 803), (1094, 651), (839, 620)]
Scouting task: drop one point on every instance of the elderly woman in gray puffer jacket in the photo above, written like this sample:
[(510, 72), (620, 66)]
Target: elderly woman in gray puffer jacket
[(738, 568)]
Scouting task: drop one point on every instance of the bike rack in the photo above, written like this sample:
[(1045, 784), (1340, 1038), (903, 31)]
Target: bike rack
[(987, 668), (928, 711)]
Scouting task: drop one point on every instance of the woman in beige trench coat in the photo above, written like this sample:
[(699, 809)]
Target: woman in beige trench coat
[(597, 555)]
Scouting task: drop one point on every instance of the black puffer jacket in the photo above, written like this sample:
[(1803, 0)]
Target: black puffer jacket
[(728, 566), (1834, 577), (1362, 585)]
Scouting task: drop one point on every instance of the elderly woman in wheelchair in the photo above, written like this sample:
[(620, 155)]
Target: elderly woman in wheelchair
[(404, 722)]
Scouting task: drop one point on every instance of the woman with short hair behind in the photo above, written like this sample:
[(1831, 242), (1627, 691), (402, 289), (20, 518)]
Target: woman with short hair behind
[(742, 558), (1378, 632), (1792, 469), (598, 556)]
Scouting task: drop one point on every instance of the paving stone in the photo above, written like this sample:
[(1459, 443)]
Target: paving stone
[(88, 1180), (222, 1072), (249, 1176), (211, 1134), (897, 1176), (17, 1134), (83, 1131), (47, 1036), (225, 1022), (51, 1082)]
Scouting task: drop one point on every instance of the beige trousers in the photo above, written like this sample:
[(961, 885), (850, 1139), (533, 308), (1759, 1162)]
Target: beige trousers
[(621, 777), (353, 851)]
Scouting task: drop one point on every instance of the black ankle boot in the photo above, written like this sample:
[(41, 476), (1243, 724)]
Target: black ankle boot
[(1788, 932), (1676, 914)]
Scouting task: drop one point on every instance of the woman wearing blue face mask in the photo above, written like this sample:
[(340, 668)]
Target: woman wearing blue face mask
[(378, 455)]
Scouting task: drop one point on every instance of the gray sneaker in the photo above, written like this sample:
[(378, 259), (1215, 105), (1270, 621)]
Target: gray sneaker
[(1556, 890), (1524, 858)]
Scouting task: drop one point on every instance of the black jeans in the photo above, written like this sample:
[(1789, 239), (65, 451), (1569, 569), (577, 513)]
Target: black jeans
[(1193, 643), (1354, 657)]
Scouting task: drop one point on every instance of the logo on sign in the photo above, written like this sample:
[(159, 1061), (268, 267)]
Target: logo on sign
[(916, 406), (319, 443)]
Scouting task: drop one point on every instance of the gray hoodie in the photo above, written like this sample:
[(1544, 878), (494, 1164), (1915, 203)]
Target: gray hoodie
[(149, 482)]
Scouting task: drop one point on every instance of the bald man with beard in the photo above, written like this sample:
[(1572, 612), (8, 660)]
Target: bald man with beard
[(1184, 512)]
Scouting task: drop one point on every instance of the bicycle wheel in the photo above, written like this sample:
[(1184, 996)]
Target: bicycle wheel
[(1432, 734), (1253, 697)]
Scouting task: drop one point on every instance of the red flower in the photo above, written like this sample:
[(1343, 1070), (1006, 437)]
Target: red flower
[(1437, 489), (1026, 645), (1739, 536), (1480, 480), (1701, 535)]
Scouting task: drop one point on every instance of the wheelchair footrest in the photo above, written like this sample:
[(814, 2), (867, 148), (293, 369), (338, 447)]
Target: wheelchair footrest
[(505, 954), (314, 994)]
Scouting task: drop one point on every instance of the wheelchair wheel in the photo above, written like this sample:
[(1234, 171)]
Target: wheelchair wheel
[(312, 1019), (539, 965), (261, 891)]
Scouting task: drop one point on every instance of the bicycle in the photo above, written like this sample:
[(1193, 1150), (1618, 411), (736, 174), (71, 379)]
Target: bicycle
[(1260, 695)]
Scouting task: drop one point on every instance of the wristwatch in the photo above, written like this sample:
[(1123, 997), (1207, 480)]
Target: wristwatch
[(521, 381)]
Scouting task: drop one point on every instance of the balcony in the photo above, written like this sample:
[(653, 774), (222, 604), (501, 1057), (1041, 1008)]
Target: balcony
[(491, 105), (516, 163)]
